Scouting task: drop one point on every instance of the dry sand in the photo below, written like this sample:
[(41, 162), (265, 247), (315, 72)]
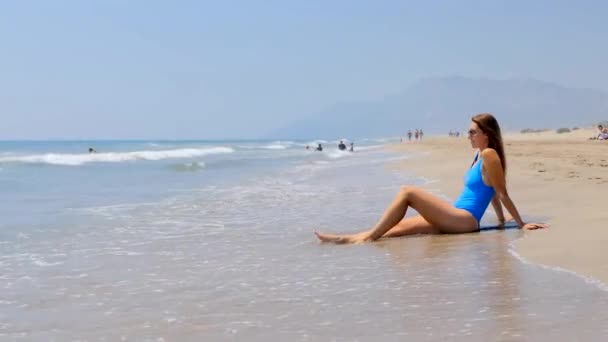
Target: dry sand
[(560, 179)]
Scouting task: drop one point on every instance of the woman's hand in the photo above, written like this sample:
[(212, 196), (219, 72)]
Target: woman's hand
[(533, 226)]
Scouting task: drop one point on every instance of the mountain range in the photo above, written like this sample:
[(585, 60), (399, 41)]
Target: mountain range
[(437, 105)]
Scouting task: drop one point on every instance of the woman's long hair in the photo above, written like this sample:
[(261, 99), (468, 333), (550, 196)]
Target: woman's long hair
[(488, 124)]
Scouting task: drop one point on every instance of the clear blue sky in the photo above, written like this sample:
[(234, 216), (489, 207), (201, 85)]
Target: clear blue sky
[(239, 69)]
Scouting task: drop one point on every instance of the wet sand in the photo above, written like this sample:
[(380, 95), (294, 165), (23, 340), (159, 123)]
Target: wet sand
[(561, 179)]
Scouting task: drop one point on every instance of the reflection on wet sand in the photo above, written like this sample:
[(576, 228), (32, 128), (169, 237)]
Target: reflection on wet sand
[(469, 285)]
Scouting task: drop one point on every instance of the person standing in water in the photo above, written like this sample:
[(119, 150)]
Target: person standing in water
[(341, 146), (484, 183), (352, 147), (319, 148)]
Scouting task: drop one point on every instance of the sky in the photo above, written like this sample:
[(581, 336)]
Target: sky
[(120, 69)]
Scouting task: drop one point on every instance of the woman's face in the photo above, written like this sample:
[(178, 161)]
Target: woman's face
[(478, 138)]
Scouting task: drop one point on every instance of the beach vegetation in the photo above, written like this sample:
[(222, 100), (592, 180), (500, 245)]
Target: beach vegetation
[(532, 130)]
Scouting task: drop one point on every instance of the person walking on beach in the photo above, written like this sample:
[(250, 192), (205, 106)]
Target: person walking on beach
[(416, 134), (484, 183), (409, 135)]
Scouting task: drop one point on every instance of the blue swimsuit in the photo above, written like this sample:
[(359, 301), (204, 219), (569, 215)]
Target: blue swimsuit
[(475, 196)]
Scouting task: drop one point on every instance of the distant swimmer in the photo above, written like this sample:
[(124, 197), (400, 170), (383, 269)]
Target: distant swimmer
[(319, 148), (92, 150), (352, 147), (307, 147), (341, 146)]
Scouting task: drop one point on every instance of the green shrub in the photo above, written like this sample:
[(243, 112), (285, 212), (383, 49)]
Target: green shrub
[(532, 130), (563, 130)]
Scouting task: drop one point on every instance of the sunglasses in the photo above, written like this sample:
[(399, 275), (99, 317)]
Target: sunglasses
[(473, 132)]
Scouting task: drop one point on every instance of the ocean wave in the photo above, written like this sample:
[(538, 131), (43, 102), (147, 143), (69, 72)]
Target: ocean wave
[(113, 157), (189, 167), (264, 147), (338, 154), (275, 147), (368, 147), (311, 144)]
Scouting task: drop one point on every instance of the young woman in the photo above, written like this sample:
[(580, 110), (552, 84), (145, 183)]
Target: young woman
[(484, 182)]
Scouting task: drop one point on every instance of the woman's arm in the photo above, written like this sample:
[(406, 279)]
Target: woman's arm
[(498, 210), (493, 166)]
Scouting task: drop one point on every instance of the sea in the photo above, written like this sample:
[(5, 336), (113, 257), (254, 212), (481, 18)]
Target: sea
[(213, 241)]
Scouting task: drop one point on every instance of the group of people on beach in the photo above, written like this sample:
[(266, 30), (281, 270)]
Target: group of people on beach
[(341, 147), (417, 135), (454, 133), (484, 183)]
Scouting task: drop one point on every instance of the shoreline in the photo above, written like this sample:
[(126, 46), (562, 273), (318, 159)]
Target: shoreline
[(555, 178)]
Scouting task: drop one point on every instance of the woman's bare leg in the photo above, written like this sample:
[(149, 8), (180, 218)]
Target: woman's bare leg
[(392, 215), (411, 226), (408, 226), (440, 215)]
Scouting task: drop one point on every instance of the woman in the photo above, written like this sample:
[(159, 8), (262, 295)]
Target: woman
[(484, 182), (603, 132)]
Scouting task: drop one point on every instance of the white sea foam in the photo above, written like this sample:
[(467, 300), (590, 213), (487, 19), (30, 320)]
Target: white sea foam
[(114, 157), (338, 154), (367, 148), (589, 280), (275, 147), (42, 263)]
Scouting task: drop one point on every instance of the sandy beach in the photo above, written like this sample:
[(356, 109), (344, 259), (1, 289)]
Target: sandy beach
[(560, 179)]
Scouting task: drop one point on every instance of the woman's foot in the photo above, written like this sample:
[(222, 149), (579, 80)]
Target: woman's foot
[(342, 239)]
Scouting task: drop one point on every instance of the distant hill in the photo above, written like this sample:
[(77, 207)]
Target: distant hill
[(439, 104)]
